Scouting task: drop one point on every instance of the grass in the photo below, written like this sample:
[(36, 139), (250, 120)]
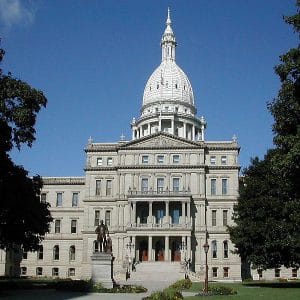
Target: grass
[(253, 291)]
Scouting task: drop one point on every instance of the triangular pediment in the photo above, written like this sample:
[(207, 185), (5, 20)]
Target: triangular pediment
[(161, 140)]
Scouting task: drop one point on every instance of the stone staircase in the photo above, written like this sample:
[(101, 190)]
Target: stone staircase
[(155, 275)]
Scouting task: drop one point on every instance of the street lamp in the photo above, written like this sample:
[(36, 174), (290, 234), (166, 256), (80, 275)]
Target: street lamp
[(206, 247), (129, 247)]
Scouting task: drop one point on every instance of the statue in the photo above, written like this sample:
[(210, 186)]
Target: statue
[(102, 231)]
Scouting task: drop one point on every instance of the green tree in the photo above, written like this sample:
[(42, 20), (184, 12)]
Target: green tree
[(24, 220), (267, 216)]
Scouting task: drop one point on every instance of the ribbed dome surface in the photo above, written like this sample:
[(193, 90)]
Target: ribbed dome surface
[(168, 83)]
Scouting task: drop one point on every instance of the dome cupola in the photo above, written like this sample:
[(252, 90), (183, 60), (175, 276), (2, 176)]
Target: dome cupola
[(168, 100)]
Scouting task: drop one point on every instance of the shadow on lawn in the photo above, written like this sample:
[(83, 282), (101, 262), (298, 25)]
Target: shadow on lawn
[(274, 284)]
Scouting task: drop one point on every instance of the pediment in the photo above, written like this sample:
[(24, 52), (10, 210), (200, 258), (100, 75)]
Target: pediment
[(161, 140)]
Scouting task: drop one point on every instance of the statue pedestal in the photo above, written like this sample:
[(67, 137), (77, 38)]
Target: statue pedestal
[(102, 269)]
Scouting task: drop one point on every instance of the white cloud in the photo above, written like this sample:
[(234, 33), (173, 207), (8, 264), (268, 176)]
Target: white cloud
[(14, 12)]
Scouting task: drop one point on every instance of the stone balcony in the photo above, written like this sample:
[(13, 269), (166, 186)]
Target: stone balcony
[(164, 193)]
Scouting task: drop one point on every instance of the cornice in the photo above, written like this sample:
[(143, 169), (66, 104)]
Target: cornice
[(63, 180)]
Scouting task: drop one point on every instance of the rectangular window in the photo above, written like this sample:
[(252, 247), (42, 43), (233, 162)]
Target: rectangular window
[(224, 186), (277, 273), (71, 272), (160, 185), (175, 184), (223, 160), (24, 254), (58, 199), (225, 249), (55, 272), (99, 161), (109, 161), (213, 160), (175, 159), (57, 226), (225, 215), (98, 187), (160, 159), (97, 218), (213, 184), (213, 218), (107, 218), (40, 252), (214, 249), (73, 226), (225, 272), (108, 187), (294, 273), (75, 199), (43, 197), (144, 185), (39, 271), (214, 272), (23, 271), (145, 159)]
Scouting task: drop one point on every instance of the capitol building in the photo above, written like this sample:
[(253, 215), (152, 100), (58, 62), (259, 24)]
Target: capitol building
[(163, 194)]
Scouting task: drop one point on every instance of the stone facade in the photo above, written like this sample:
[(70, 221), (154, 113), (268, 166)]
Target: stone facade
[(162, 194)]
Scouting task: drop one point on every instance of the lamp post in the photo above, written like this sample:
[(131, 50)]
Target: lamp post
[(129, 246), (206, 247)]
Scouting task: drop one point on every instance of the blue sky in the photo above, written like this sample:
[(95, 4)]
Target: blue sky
[(92, 60)]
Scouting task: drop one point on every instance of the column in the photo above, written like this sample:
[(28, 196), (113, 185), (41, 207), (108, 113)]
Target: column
[(121, 217), (183, 248), (183, 212), (149, 129), (189, 212), (202, 133), (167, 212), (184, 130), (150, 248), (134, 213), (133, 134), (159, 125), (130, 214), (189, 244), (133, 253), (167, 248), (172, 127), (193, 133)]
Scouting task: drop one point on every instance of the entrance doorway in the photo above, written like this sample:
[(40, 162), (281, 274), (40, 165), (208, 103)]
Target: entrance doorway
[(143, 250), (175, 250), (160, 250)]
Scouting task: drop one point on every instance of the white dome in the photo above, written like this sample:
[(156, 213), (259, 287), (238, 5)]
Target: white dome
[(168, 83)]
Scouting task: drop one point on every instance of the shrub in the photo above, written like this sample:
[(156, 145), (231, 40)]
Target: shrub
[(167, 294), (221, 290), (183, 284)]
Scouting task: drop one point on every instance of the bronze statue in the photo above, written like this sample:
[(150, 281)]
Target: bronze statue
[(102, 231)]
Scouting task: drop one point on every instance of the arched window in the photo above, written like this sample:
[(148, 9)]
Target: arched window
[(72, 253), (96, 246), (225, 249), (40, 252), (214, 249), (56, 252)]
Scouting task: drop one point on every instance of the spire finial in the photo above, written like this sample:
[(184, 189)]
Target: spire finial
[(168, 22)]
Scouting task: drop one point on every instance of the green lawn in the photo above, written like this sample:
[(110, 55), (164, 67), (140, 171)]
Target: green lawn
[(253, 291)]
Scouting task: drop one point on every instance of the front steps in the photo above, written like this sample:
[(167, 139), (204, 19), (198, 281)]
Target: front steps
[(155, 275)]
